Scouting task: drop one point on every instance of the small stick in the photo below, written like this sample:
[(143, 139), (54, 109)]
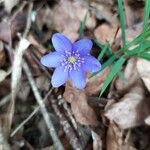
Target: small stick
[(3, 142), (5, 99), (31, 115), (67, 127), (50, 126)]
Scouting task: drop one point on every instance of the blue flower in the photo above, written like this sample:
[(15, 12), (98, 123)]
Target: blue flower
[(72, 61)]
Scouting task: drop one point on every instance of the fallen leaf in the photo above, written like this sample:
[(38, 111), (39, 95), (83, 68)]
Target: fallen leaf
[(65, 19), (3, 75), (83, 113), (131, 111), (147, 120), (9, 28), (134, 11), (2, 54), (10, 4), (95, 83), (143, 67), (103, 11), (115, 139), (130, 76), (97, 142), (24, 91), (43, 83), (105, 33), (68, 15)]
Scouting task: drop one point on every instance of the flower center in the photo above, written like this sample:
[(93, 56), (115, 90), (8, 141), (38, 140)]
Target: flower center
[(71, 59)]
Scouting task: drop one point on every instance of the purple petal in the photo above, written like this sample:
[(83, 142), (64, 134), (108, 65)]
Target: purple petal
[(83, 46), (91, 64), (51, 59), (61, 43), (78, 78), (59, 77)]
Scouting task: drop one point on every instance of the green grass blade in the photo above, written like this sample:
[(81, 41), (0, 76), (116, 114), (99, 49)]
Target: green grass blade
[(138, 49), (122, 21), (146, 14), (101, 54), (82, 26), (101, 46), (145, 56), (115, 69), (107, 63)]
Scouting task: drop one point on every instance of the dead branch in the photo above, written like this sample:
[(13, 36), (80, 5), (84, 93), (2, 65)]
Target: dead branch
[(74, 141), (43, 109)]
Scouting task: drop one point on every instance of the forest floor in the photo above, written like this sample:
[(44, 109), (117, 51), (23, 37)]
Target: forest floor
[(36, 116)]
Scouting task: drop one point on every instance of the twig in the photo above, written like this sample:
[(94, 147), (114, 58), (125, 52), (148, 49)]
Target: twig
[(30, 116), (17, 66), (67, 127), (3, 142), (28, 24), (44, 112), (78, 129), (65, 106), (4, 100)]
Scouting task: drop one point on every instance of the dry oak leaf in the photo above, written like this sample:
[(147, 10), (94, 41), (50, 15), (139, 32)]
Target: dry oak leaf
[(10, 4), (97, 142), (67, 16), (130, 76), (143, 67), (95, 83), (105, 33), (9, 28), (83, 113), (2, 54), (131, 111), (114, 139)]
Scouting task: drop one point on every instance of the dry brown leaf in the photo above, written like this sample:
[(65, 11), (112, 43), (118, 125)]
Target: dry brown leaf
[(64, 18), (133, 31), (4, 144), (147, 120), (130, 76), (131, 111), (133, 11), (97, 142), (43, 83), (36, 44), (67, 16), (105, 33), (103, 10), (143, 67), (95, 83), (24, 91), (3, 75), (8, 29), (2, 54), (83, 113), (10, 4), (114, 139)]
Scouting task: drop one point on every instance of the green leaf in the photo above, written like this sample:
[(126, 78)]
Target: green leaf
[(122, 21), (101, 54), (82, 26), (146, 14), (145, 56), (115, 69), (101, 46), (139, 49), (107, 63)]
